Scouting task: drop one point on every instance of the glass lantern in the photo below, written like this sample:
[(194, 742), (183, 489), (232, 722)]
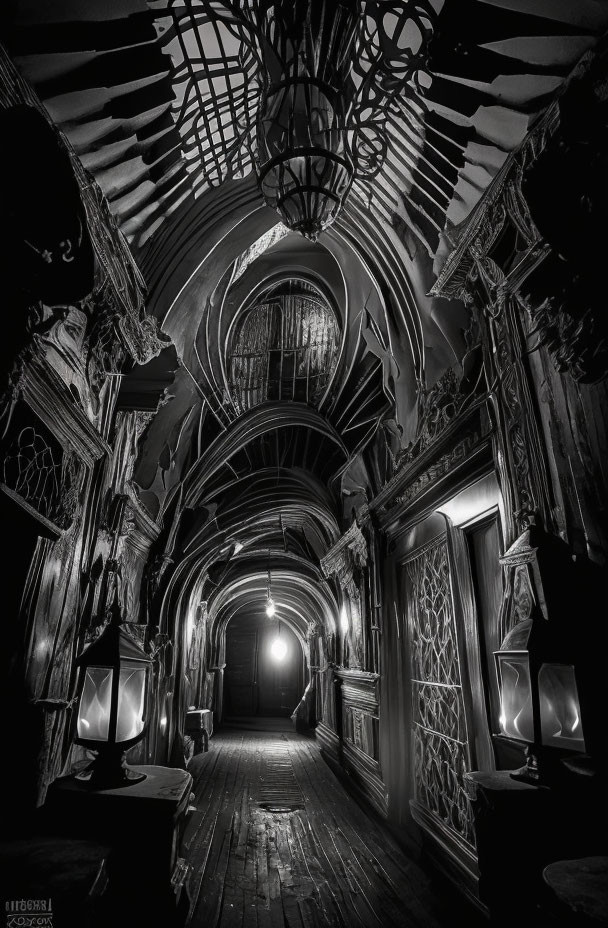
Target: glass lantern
[(515, 680), (517, 677), (114, 674), (539, 702), (560, 711), (304, 171)]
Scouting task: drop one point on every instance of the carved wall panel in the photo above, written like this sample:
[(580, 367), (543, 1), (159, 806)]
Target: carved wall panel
[(440, 740), (39, 474), (359, 707), (361, 729), (345, 560)]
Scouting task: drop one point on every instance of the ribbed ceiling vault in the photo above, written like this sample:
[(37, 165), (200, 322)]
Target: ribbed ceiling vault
[(113, 73), (164, 118)]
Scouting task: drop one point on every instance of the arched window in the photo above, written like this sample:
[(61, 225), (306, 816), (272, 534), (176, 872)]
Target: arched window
[(284, 346)]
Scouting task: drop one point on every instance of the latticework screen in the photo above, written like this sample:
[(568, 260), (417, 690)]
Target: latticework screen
[(441, 749)]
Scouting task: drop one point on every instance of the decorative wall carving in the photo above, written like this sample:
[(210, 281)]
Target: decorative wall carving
[(344, 561), (358, 692), (440, 467), (555, 245), (460, 444), (348, 554), (441, 751), (37, 471), (437, 407)]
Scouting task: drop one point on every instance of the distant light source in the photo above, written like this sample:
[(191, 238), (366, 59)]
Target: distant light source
[(270, 607), (278, 649), (343, 620)]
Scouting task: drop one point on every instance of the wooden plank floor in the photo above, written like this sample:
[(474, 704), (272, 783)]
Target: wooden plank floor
[(276, 842)]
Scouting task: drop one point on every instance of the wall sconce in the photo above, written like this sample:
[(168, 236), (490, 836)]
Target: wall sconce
[(344, 621), (114, 672)]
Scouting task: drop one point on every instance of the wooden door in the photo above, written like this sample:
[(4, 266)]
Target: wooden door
[(241, 686)]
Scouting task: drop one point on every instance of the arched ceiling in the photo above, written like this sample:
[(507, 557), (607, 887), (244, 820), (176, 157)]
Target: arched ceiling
[(160, 112), (163, 115)]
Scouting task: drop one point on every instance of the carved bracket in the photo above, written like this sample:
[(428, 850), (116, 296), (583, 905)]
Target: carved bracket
[(347, 555)]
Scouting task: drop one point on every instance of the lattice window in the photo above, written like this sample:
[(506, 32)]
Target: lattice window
[(38, 472), (441, 750), (285, 348)]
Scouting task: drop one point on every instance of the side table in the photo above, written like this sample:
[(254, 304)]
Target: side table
[(142, 825), (514, 824)]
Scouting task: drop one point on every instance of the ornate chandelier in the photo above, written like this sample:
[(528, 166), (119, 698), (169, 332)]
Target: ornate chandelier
[(330, 70), (304, 167), (307, 92)]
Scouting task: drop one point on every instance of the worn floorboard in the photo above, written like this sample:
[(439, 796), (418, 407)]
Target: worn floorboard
[(276, 842)]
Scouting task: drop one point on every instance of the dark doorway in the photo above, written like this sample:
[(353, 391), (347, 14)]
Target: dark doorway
[(256, 682)]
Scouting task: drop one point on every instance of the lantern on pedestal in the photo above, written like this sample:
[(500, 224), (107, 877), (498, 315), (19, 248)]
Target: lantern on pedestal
[(539, 700), (114, 673)]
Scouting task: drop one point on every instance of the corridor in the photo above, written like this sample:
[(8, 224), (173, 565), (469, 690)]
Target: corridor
[(277, 841), (304, 415)]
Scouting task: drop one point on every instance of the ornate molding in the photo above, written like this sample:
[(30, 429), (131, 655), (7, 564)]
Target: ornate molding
[(348, 554), (360, 688), (47, 395), (437, 407), (456, 445), (502, 201)]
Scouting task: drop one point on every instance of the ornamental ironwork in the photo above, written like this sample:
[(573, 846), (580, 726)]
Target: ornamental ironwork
[(38, 472), (306, 93)]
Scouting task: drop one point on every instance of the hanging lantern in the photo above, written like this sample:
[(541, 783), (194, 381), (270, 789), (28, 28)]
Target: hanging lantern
[(304, 168), (270, 606), (114, 673)]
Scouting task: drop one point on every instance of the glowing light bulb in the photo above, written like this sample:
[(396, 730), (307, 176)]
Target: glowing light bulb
[(270, 610), (278, 649)]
